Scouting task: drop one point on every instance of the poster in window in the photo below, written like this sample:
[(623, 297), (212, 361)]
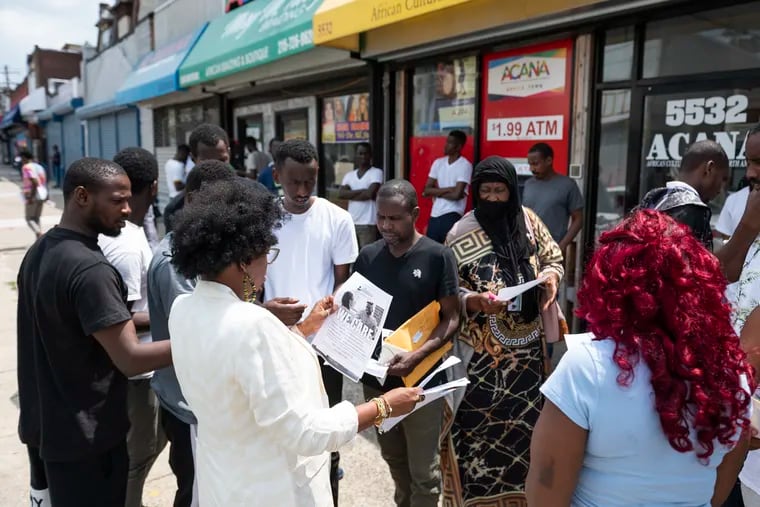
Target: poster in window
[(526, 100), (345, 119), (444, 97)]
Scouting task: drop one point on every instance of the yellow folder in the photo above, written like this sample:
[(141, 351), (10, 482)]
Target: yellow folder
[(413, 334)]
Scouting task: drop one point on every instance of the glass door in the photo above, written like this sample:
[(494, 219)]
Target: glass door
[(293, 124), (674, 119)]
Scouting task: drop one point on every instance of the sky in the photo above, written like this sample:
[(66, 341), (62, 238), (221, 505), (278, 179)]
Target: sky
[(48, 23)]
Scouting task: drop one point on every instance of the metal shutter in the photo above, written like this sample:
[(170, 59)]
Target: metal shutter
[(72, 140), (108, 144), (93, 137), (127, 128)]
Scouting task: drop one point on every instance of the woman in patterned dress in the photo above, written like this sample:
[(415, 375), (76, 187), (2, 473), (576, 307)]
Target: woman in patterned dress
[(499, 244)]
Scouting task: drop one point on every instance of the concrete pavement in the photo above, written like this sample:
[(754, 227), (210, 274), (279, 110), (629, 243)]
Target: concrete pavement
[(367, 482)]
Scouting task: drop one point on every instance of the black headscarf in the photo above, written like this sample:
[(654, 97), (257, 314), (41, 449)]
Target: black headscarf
[(504, 223)]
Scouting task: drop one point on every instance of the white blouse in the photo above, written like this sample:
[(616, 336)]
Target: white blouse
[(264, 427)]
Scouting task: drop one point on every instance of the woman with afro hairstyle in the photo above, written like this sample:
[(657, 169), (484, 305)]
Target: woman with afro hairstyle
[(265, 429), (652, 406)]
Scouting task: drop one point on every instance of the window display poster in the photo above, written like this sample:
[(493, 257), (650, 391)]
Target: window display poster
[(444, 97), (444, 100), (345, 119), (526, 100), (674, 121)]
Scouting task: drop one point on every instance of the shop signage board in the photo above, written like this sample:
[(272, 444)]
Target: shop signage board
[(526, 99), (255, 34), (345, 119), (341, 18)]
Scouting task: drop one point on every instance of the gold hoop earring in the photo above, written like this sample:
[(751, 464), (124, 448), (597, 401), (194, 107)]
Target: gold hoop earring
[(249, 288)]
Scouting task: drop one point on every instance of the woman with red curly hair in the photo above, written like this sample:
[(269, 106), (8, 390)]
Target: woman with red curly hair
[(652, 406)]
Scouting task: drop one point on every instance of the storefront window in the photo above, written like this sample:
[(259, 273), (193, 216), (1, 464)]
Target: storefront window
[(674, 121), (444, 97), (711, 41), (293, 124), (345, 124), (613, 158), (172, 125), (443, 100), (618, 54)]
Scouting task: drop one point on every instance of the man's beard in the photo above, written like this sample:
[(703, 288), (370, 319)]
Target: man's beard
[(98, 226)]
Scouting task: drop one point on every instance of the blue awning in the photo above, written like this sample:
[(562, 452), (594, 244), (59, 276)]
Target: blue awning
[(61, 109), (99, 109), (11, 117), (157, 73)]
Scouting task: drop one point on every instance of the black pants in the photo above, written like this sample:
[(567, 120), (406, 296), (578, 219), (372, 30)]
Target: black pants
[(333, 381), (735, 498), (180, 456), (99, 481), (36, 469), (439, 227)]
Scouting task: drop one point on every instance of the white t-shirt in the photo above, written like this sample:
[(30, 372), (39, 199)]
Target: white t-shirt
[(363, 212), (628, 459), (448, 175), (130, 254), (732, 212), (175, 171), (311, 244)]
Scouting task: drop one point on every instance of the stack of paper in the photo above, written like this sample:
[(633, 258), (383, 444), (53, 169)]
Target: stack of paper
[(431, 394)]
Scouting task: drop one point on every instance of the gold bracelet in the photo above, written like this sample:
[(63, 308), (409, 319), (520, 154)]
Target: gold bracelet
[(382, 412), (388, 407)]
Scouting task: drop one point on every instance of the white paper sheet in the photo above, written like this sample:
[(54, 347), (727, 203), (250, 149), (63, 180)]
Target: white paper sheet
[(348, 337), (377, 370), (432, 394), (509, 293)]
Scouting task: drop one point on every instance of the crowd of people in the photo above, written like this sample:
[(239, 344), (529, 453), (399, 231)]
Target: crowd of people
[(201, 341)]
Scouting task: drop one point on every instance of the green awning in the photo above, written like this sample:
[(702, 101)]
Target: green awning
[(259, 32)]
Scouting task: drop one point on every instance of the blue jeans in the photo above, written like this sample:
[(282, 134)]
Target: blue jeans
[(439, 227)]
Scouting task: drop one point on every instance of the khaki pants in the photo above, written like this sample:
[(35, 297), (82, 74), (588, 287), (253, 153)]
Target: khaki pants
[(32, 213), (412, 451), (146, 438), (365, 235)]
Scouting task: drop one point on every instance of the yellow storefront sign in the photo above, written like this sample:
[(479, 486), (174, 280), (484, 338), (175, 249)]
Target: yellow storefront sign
[(342, 19)]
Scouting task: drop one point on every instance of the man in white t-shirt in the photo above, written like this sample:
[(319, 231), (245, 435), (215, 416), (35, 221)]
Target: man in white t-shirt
[(317, 247), (175, 170), (131, 254), (448, 184), (360, 188), (732, 212)]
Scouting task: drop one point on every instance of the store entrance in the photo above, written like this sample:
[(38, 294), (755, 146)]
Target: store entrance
[(670, 119)]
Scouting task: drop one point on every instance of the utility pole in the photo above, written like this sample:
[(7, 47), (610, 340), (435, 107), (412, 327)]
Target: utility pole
[(5, 89)]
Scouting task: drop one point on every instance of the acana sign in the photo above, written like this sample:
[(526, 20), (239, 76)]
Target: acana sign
[(668, 153), (526, 70)]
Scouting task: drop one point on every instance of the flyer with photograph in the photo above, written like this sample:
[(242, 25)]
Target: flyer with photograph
[(348, 337)]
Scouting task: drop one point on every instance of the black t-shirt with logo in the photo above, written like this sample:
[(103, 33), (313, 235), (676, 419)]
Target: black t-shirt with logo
[(73, 400), (427, 272)]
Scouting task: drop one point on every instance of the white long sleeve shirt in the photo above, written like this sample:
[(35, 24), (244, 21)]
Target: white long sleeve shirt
[(264, 427)]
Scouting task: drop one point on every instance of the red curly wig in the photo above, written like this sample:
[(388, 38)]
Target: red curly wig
[(659, 295)]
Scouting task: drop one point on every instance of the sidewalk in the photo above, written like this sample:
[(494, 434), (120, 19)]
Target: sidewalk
[(367, 482)]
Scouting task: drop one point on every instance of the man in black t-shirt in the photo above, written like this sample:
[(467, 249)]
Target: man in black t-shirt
[(77, 344), (416, 271)]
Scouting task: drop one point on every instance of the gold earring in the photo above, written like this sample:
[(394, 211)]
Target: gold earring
[(249, 288)]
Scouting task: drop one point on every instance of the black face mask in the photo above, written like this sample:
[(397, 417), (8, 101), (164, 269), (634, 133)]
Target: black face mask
[(492, 210)]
